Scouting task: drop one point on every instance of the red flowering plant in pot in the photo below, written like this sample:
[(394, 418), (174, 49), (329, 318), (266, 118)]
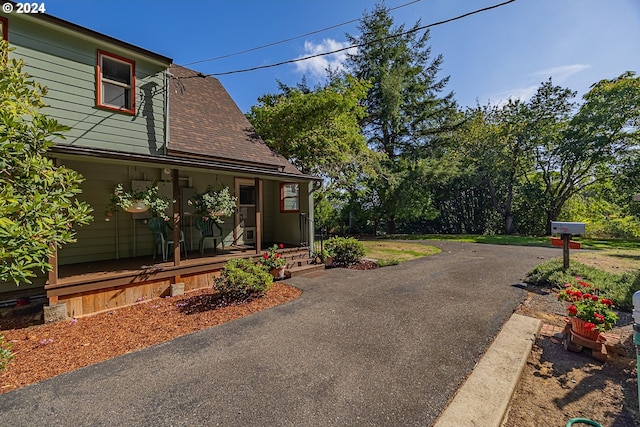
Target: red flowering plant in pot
[(273, 262), (589, 313)]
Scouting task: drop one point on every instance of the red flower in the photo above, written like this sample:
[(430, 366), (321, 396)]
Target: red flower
[(572, 309), (265, 256), (590, 326), (606, 301), (594, 298), (587, 296), (585, 284), (599, 317), (281, 246), (277, 255)]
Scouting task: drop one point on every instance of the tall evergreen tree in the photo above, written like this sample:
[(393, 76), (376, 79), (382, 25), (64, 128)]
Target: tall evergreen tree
[(407, 114)]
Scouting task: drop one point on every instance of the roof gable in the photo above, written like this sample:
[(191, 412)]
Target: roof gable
[(205, 122)]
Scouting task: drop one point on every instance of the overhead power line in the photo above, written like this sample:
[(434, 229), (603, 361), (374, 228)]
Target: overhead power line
[(305, 58), (291, 38)]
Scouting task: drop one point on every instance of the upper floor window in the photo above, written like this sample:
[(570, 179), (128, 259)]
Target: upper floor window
[(116, 82), (289, 197), (4, 28)]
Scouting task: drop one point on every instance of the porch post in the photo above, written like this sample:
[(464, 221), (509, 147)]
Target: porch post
[(311, 224), (175, 178), (258, 187), (53, 274)]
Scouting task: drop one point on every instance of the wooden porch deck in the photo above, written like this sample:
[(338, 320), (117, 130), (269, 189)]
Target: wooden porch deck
[(103, 285), (94, 276), (100, 270)]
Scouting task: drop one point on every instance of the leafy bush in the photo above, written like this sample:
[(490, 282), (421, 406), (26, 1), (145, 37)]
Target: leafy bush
[(243, 280), (345, 250), (617, 287), (5, 353), (387, 262), (39, 209)]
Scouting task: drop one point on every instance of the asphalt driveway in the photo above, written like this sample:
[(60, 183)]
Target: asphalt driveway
[(380, 347)]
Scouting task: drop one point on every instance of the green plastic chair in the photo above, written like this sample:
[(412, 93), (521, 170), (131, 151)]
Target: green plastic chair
[(159, 229), (209, 229)]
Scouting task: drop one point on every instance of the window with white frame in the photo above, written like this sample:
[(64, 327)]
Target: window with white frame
[(289, 197), (115, 82)]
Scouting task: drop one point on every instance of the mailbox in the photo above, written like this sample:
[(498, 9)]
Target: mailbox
[(573, 228)]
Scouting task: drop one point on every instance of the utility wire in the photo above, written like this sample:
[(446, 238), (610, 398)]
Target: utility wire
[(413, 30), (291, 38)]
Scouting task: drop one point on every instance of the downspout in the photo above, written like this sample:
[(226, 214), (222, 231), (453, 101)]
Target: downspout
[(167, 75)]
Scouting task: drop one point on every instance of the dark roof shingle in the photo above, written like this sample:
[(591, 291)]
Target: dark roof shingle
[(205, 122)]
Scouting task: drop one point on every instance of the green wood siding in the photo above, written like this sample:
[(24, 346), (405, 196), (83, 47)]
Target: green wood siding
[(282, 227), (66, 65)]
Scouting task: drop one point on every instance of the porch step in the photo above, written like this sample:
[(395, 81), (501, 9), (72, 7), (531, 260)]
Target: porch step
[(302, 270), (297, 258)]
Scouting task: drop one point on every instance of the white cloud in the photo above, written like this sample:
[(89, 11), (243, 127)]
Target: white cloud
[(559, 75), (316, 67), (523, 94), (562, 73)]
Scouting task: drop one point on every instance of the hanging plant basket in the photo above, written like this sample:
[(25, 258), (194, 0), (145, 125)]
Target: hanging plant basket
[(138, 202), (137, 207), (214, 203)]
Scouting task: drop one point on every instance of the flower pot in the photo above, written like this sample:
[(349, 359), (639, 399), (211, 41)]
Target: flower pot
[(278, 272), (137, 207), (578, 327)]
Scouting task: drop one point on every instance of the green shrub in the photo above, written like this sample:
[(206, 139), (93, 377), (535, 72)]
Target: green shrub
[(5, 353), (619, 288), (242, 280), (387, 262), (345, 250)]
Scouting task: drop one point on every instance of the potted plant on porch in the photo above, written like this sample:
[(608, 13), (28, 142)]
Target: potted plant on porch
[(273, 262), (137, 202), (214, 203)]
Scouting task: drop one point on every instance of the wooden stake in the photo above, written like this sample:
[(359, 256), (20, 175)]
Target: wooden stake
[(566, 238)]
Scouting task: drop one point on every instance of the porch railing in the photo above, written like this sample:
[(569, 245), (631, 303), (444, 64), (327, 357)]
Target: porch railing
[(305, 224)]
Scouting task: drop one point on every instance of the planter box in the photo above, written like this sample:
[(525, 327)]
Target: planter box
[(555, 241)]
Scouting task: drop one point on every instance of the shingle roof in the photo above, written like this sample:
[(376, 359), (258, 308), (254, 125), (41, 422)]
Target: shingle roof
[(205, 122)]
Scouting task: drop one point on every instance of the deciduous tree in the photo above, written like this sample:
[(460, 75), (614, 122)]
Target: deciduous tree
[(38, 205)]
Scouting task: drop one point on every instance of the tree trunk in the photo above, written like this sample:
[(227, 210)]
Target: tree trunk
[(509, 225), (391, 226), (552, 215)]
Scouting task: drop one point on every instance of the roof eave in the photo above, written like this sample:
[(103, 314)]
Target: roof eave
[(178, 162)]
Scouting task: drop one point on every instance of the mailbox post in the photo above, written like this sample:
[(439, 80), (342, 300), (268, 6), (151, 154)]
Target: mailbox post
[(566, 230)]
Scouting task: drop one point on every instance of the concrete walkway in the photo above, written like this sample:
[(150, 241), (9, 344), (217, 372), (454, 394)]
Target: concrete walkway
[(381, 347)]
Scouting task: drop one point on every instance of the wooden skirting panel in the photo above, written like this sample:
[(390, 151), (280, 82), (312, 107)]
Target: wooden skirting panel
[(85, 303), (84, 295)]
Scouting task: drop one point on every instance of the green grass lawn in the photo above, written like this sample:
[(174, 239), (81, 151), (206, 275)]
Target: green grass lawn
[(587, 243), (611, 265), (389, 252)]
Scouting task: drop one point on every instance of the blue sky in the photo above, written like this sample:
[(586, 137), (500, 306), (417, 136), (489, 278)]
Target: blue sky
[(502, 53)]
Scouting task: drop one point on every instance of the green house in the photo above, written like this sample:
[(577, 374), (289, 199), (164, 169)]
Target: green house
[(138, 120)]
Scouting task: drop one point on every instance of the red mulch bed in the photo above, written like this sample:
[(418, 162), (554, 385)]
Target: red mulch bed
[(364, 265), (44, 351)]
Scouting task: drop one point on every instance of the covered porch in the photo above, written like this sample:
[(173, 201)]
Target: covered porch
[(91, 287), (111, 264)]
